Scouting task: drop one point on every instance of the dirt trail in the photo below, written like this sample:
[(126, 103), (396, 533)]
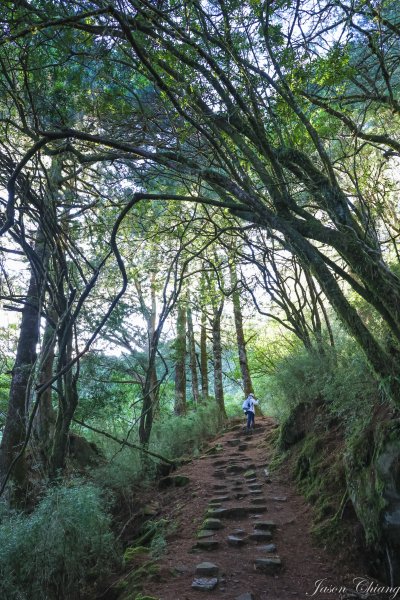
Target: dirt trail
[(225, 481)]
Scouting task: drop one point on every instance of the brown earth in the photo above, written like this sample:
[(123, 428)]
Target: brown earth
[(303, 561)]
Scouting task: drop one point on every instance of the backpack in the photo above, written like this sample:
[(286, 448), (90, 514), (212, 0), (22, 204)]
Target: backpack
[(246, 405)]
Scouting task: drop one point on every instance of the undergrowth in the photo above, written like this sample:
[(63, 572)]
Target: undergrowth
[(329, 399), (50, 552)]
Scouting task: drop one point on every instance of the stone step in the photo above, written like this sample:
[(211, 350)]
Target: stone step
[(268, 548), (245, 596), (240, 495), (270, 525), (261, 536), (254, 486), (219, 474), (220, 499), (239, 532), (207, 569), (259, 509), (204, 533), (212, 524), (235, 468), (258, 501), (229, 513), (205, 584), (270, 565), (279, 498), (215, 504), (235, 540), (206, 544), (234, 442), (220, 486)]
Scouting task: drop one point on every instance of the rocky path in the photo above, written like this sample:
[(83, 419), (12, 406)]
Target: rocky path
[(242, 533)]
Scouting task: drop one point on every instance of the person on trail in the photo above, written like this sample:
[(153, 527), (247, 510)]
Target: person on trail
[(248, 407)]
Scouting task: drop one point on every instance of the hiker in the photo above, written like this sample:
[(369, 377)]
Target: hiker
[(248, 407)]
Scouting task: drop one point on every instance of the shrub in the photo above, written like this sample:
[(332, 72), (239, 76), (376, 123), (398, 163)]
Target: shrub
[(341, 378), (176, 436), (51, 552)]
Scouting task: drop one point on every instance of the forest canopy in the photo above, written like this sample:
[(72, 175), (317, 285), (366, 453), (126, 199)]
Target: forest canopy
[(162, 161)]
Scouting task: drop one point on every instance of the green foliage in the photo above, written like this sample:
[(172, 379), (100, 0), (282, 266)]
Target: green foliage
[(51, 552), (102, 391), (124, 467), (340, 377), (177, 436)]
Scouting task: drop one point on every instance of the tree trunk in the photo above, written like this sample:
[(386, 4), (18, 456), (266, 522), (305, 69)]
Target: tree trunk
[(381, 362), (192, 355), (203, 357), (45, 418), (151, 386), (15, 426), (67, 400), (180, 360), (241, 343), (217, 356), (150, 401)]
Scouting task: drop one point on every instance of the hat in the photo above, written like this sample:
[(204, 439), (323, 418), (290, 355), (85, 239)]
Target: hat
[(251, 394)]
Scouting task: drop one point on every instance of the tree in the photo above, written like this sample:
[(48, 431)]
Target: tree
[(241, 342), (180, 358)]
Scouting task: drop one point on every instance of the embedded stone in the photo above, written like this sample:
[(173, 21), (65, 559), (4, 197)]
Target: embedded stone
[(261, 536), (220, 499), (255, 492), (229, 513), (219, 474), (254, 486), (215, 504), (239, 532), (234, 442), (279, 498), (220, 462), (246, 596), (266, 525), (205, 584), (268, 548), (207, 544), (236, 469), (259, 508), (204, 533), (212, 524), (267, 476), (180, 569), (219, 486), (207, 569), (235, 540), (216, 513), (270, 565)]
